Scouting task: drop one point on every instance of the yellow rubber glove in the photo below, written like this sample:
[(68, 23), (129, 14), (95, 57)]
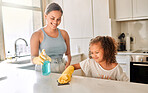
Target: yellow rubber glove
[(66, 75), (41, 58)]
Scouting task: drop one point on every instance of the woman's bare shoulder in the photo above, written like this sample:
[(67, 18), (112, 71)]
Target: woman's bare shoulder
[(37, 33), (64, 33)]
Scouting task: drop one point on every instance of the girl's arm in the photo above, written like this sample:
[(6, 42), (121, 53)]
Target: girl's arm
[(66, 75), (76, 66)]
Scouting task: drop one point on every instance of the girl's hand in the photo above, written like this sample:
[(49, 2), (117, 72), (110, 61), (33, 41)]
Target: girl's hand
[(66, 75)]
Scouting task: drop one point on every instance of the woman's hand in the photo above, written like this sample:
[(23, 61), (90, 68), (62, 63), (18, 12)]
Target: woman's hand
[(67, 64), (41, 58)]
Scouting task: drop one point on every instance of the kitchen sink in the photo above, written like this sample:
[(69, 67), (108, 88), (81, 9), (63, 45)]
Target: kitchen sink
[(21, 61), (28, 67), (3, 78)]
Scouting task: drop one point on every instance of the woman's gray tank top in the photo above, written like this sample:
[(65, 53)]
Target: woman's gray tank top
[(54, 47)]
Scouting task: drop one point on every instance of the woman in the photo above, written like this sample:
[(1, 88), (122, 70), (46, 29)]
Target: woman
[(55, 41)]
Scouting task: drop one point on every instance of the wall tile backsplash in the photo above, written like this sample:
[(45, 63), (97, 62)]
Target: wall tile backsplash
[(139, 31)]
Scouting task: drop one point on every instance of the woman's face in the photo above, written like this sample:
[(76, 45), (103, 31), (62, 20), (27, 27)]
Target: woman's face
[(97, 52), (53, 19)]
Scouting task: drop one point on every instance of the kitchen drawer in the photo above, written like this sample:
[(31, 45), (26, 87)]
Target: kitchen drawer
[(123, 59), (78, 72), (76, 59)]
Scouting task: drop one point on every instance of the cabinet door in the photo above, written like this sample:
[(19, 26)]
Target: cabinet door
[(124, 61), (78, 18), (140, 9), (102, 23), (123, 10)]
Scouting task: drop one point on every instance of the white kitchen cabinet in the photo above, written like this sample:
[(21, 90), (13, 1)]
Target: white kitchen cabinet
[(124, 61), (77, 58), (78, 18), (85, 20), (140, 9), (131, 9), (101, 20), (123, 10)]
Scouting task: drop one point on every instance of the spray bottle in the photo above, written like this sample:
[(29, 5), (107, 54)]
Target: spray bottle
[(46, 65)]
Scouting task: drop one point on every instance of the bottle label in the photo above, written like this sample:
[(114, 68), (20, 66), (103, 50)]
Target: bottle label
[(46, 68)]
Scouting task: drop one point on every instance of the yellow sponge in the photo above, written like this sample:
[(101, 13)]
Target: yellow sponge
[(66, 75)]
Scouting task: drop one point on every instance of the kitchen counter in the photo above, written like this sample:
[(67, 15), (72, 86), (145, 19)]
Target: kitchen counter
[(16, 80), (26, 61), (130, 53)]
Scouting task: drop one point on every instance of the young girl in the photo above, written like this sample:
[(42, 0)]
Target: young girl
[(101, 62)]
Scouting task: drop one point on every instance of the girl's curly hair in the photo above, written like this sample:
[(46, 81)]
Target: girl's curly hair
[(109, 46)]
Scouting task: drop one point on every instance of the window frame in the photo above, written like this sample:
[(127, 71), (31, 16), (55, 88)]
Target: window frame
[(41, 8)]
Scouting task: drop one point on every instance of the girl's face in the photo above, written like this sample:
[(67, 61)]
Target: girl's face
[(53, 19), (97, 52)]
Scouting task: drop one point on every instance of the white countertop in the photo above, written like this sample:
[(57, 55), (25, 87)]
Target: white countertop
[(29, 81), (130, 53)]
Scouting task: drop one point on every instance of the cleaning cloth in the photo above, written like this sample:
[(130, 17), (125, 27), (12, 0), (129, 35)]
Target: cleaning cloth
[(66, 75)]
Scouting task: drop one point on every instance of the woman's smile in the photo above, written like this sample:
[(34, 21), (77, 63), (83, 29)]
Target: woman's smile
[(54, 25)]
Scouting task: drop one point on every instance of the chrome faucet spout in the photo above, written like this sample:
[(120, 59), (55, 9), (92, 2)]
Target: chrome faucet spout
[(16, 42)]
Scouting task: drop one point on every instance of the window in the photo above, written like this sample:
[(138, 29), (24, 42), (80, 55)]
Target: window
[(20, 18), (34, 3)]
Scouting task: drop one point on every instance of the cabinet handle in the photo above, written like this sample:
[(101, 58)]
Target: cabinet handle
[(140, 64)]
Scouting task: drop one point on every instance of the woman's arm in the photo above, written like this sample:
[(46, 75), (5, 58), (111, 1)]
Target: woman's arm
[(67, 41), (34, 45)]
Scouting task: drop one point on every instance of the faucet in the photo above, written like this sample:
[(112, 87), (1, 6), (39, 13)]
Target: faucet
[(15, 45)]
